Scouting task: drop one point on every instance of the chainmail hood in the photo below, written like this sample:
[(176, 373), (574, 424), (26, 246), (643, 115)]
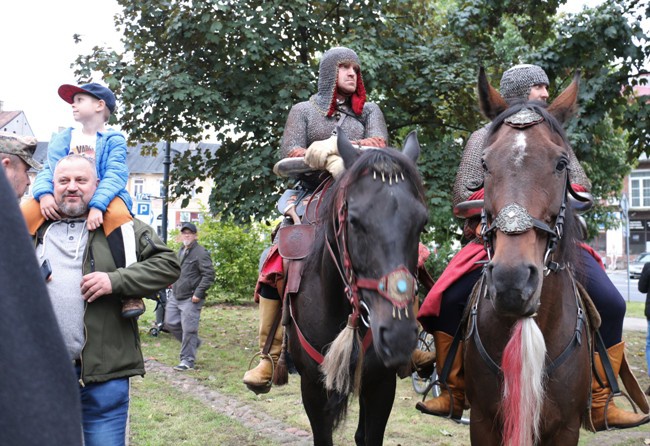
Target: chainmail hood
[(325, 99), (518, 80)]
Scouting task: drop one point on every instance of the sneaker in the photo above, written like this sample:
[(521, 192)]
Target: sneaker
[(132, 307), (182, 367)]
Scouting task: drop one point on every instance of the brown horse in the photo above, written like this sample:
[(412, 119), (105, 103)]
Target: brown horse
[(527, 361), (361, 271)]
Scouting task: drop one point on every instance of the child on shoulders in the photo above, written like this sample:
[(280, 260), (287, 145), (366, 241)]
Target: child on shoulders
[(110, 206)]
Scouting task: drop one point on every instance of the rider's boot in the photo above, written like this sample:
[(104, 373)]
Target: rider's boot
[(259, 379), (601, 404), (446, 405), (423, 362)]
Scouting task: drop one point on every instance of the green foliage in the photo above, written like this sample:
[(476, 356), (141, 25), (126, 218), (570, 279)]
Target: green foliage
[(234, 68)]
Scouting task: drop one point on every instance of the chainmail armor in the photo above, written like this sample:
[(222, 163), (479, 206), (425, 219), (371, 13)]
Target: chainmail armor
[(470, 171), (518, 80), (309, 121)]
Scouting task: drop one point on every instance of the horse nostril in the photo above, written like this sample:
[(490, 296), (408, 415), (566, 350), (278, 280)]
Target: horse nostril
[(533, 278)]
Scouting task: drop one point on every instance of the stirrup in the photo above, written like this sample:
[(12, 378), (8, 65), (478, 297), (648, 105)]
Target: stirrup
[(258, 390), (444, 387), (610, 397)]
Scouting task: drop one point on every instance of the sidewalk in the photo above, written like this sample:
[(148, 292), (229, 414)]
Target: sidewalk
[(635, 324)]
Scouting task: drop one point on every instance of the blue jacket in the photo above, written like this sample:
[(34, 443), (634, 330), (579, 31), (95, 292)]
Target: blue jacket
[(110, 155)]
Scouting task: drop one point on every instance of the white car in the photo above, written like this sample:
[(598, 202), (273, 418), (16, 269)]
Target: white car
[(637, 265)]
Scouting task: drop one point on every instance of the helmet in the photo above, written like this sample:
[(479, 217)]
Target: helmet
[(518, 80)]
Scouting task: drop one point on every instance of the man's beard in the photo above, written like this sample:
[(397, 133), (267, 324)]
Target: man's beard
[(73, 209)]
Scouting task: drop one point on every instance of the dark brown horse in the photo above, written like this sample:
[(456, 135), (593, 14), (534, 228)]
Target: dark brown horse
[(361, 271), (527, 362)]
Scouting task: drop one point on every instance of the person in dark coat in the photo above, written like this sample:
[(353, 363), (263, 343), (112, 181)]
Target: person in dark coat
[(39, 397), (183, 309), (644, 283)]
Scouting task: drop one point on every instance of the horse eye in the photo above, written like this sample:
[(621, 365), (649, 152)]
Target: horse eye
[(485, 168), (562, 164)]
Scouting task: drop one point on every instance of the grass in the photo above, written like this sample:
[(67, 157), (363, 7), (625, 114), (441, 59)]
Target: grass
[(635, 309), (164, 415)]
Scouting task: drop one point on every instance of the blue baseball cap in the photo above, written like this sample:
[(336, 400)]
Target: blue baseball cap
[(67, 92)]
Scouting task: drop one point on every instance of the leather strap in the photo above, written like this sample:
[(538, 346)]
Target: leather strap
[(607, 365), (274, 328)]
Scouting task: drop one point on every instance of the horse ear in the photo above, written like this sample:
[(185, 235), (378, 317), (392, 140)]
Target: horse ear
[(489, 99), (346, 149), (411, 147), (565, 105)]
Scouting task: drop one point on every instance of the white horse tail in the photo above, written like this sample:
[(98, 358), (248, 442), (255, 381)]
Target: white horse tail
[(523, 387)]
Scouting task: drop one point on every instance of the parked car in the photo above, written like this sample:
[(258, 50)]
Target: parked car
[(637, 265)]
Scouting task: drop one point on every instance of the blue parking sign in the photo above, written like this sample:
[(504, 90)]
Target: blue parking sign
[(143, 209)]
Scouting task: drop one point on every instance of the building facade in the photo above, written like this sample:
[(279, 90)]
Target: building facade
[(146, 185)]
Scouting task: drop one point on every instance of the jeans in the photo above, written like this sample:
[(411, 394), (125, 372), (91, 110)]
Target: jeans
[(105, 408), (182, 321), (647, 349)]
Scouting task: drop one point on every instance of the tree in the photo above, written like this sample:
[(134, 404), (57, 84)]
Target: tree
[(235, 67)]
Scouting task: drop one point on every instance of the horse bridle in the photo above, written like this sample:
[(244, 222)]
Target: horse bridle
[(399, 286), (514, 219)]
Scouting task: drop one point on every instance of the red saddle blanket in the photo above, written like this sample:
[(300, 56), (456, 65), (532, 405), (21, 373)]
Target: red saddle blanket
[(462, 263)]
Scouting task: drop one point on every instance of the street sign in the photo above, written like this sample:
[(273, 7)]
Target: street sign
[(143, 208)]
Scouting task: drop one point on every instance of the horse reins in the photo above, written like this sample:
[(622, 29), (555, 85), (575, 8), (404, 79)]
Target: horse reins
[(576, 339)]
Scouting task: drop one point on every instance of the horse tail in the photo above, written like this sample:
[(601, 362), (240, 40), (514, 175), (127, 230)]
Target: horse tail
[(343, 363), (523, 389)]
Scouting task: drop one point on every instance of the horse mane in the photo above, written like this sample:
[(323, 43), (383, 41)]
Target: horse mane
[(566, 252), (389, 162)]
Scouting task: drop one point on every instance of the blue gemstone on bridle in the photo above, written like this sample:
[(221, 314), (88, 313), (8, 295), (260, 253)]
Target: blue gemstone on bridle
[(381, 287), (402, 286)]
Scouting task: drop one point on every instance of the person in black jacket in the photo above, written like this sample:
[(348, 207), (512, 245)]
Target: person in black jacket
[(183, 309), (644, 283), (39, 396)]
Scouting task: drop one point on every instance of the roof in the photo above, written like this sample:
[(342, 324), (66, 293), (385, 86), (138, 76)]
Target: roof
[(143, 164), (7, 116)]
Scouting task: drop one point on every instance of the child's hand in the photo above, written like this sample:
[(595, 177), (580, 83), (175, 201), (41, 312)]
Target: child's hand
[(95, 219), (49, 209)]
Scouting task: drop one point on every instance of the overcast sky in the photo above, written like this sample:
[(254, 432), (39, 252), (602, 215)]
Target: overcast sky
[(39, 50)]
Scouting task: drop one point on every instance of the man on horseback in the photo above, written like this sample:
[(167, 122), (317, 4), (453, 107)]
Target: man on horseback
[(339, 102), (443, 308)]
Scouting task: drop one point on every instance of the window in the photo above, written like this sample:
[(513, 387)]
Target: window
[(138, 187), (640, 189)]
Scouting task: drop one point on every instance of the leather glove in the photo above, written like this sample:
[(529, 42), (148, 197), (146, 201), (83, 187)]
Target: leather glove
[(317, 153), (375, 141), (335, 165)]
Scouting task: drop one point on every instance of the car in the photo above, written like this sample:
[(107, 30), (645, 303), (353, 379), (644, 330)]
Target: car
[(637, 265)]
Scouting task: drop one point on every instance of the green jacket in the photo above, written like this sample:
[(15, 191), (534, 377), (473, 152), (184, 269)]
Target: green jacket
[(112, 345)]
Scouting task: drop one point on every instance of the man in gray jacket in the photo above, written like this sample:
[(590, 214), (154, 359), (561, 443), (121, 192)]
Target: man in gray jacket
[(183, 309)]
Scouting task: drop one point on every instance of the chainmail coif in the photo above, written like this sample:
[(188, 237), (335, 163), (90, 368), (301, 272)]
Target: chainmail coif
[(315, 119), (518, 80)]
